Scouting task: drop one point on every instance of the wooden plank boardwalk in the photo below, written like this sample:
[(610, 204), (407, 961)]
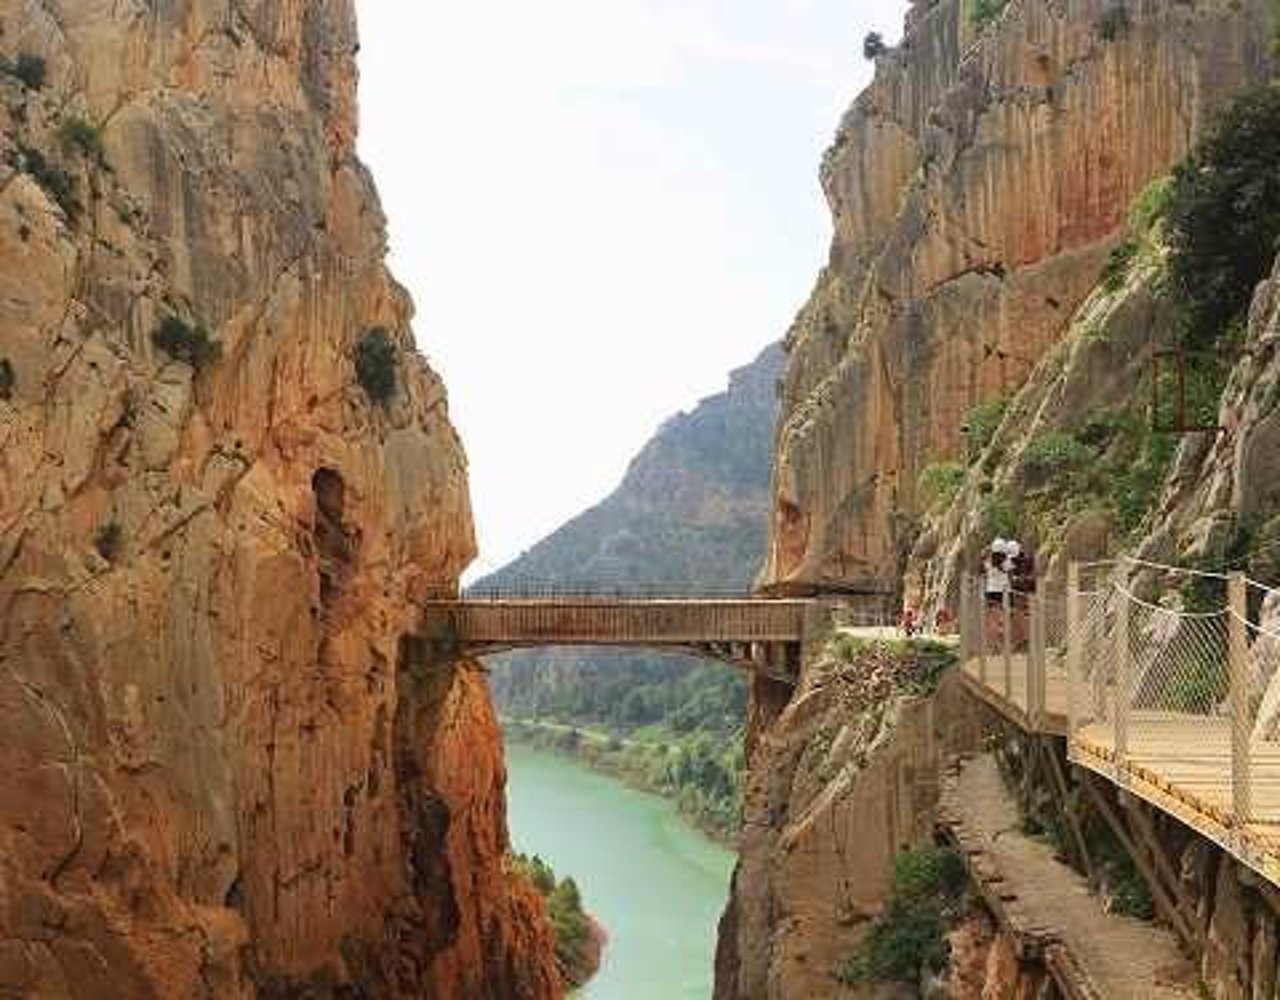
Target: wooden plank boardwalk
[(1047, 908), (1181, 764)]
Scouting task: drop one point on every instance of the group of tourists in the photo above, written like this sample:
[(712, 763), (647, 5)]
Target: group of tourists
[(1009, 576)]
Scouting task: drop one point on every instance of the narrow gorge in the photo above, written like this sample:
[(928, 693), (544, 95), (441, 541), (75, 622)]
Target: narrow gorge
[(246, 751)]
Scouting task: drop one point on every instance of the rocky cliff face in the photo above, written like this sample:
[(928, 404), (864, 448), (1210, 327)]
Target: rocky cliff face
[(691, 511), (223, 771), (843, 775), (977, 187)]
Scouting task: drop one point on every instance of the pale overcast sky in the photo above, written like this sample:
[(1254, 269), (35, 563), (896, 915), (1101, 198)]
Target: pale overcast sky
[(600, 208)]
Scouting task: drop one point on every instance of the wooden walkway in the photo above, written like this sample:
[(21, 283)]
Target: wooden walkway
[(1180, 764), (1049, 909), (760, 634)]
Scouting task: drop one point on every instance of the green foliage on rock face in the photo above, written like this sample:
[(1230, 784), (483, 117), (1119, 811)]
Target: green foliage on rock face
[(940, 482), (56, 182), (1224, 215), (1054, 455), (929, 895), (1116, 271), (1000, 516), (1115, 462), (983, 12), (187, 342), (569, 920), (77, 134), (377, 362), (30, 69), (7, 379), (981, 423), (873, 46)]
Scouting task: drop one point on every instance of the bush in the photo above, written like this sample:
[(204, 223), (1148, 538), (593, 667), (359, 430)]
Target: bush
[(1000, 516), (109, 540), (910, 936), (982, 422), (1113, 23), (186, 342), (56, 182), (1151, 206), (1118, 264), (30, 69), (77, 134), (940, 482), (1054, 456), (376, 362), (1224, 215), (873, 46), (569, 920), (7, 379), (983, 12)]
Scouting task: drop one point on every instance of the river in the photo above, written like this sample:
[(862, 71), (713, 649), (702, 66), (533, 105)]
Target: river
[(655, 883)]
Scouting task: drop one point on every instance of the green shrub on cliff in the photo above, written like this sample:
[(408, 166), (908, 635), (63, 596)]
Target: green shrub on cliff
[(30, 69), (983, 12), (1224, 215), (910, 935), (189, 342), (377, 361), (940, 482), (75, 133), (569, 920), (981, 423)]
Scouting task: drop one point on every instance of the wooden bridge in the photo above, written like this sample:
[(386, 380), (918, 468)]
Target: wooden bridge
[(759, 634), (1179, 707)]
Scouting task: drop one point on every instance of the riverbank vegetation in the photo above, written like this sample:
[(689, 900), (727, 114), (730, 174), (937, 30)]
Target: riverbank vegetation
[(669, 728), (579, 941)]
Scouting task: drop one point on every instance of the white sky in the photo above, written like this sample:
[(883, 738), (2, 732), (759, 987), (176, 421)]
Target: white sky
[(600, 208)]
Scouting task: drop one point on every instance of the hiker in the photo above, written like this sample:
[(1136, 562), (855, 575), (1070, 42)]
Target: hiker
[(1022, 584), (996, 583)]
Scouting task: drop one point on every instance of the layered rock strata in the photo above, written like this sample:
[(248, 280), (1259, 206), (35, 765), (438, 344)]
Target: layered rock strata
[(976, 187), (223, 772)]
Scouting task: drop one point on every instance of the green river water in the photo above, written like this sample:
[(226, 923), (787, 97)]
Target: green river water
[(653, 882)]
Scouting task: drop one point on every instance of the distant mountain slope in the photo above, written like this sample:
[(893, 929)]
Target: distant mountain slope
[(692, 508), (691, 513)]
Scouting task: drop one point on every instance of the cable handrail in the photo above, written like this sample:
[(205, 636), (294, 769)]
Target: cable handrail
[(1189, 615), (1184, 570)]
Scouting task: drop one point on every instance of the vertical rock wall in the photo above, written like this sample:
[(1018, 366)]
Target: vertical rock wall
[(976, 187), (222, 772)]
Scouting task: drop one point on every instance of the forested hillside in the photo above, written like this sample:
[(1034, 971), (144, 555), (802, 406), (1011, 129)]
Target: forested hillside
[(689, 515)]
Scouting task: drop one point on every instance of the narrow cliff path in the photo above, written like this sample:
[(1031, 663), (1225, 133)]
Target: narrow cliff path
[(1120, 956)]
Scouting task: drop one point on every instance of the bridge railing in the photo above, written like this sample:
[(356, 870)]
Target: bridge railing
[(601, 591)]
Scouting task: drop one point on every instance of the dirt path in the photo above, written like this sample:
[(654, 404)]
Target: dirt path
[(1124, 958)]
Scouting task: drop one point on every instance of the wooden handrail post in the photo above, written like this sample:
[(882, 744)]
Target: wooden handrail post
[(981, 600), (966, 626), (1006, 642), (1037, 660), (1075, 637), (1120, 695), (1241, 730)]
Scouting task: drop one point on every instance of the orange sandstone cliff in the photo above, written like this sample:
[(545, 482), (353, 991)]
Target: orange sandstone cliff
[(224, 772)]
